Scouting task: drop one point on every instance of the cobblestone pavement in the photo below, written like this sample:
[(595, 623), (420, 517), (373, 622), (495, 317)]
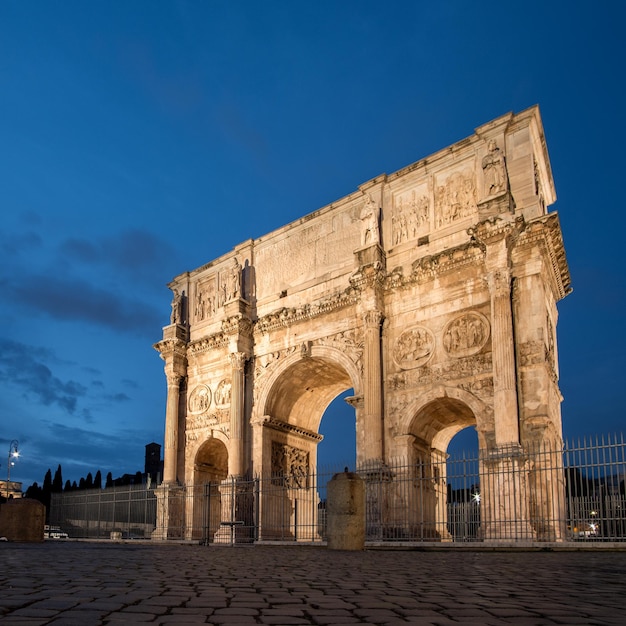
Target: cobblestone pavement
[(68, 583)]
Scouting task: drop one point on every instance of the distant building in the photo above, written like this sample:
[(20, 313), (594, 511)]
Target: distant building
[(153, 465), (10, 489)]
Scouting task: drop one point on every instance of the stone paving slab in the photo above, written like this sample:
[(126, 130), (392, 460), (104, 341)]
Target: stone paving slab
[(96, 584)]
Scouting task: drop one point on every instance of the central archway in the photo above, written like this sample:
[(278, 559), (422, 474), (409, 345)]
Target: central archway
[(293, 403)]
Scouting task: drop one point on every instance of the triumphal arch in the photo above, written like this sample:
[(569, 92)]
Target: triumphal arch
[(430, 292)]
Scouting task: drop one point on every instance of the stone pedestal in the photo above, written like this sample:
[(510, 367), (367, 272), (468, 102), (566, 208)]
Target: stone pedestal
[(170, 512), (504, 496), (346, 512)]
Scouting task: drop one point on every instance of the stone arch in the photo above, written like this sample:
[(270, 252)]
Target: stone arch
[(429, 424), (300, 388), (291, 405), (446, 411), (210, 461), (210, 468)]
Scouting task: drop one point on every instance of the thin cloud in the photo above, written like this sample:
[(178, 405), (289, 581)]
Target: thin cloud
[(24, 367), (73, 299)]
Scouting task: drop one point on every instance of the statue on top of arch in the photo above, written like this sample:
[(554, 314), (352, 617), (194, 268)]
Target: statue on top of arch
[(370, 214)]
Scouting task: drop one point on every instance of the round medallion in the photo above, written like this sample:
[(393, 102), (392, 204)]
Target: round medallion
[(199, 399), (413, 347), (466, 335)]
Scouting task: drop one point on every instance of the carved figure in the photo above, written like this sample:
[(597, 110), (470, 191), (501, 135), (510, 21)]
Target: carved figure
[(494, 170), (200, 399), (413, 348), (235, 280), (370, 216), (409, 216), (177, 308), (456, 199), (222, 393), (290, 466), (465, 335)]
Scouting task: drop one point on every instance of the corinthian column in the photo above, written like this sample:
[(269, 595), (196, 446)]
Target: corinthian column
[(504, 378), (236, 452), (372, 389), (170, 451)]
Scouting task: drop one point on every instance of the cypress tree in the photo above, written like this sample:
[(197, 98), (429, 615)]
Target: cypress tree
[(57, 483)]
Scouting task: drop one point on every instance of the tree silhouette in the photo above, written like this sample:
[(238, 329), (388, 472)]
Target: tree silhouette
[(57, 483), (97, 481)]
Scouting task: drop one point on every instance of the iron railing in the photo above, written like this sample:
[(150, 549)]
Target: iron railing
[(515, 493)]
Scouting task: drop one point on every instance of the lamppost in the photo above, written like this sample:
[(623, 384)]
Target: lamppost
[(13, 454)]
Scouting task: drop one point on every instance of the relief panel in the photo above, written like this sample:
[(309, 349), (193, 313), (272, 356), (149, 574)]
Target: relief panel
[(411, 215), (455, 198)]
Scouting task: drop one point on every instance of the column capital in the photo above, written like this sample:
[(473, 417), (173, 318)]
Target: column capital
[(499, 282), (238, 360), (173, 379), (372, 319)]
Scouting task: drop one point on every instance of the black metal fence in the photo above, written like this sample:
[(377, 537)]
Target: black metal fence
[(575, 494)]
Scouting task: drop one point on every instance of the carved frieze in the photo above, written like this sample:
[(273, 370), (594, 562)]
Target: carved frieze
[(265, 362), (427, 268), (288, 316), (205, 426), (454, 370), (481, 387), (455, 199), (290, 466), (199, 400), (205, 302), (466, 335), (222, 394), (413, 347), (410, 216), (215, 291), (194, 422), (350, 342)]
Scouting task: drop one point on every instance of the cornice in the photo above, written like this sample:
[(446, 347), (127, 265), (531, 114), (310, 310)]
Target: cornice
[(276, 424), (218, 340), (429, 267), (237, 325), (495, 229), (546, 230), (171, 347), (288, 316)]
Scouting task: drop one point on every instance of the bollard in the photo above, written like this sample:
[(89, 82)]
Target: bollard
[(346, 512)]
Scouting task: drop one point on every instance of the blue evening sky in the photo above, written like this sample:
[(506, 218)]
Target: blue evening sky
[(142, 139)]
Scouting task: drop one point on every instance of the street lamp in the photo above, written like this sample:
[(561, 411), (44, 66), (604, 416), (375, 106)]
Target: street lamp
[(13, 454)]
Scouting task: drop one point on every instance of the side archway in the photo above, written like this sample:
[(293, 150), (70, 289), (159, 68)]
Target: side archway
[(210, 468)]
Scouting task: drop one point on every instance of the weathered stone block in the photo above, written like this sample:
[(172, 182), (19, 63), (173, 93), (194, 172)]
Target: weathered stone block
[(22, 520)]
